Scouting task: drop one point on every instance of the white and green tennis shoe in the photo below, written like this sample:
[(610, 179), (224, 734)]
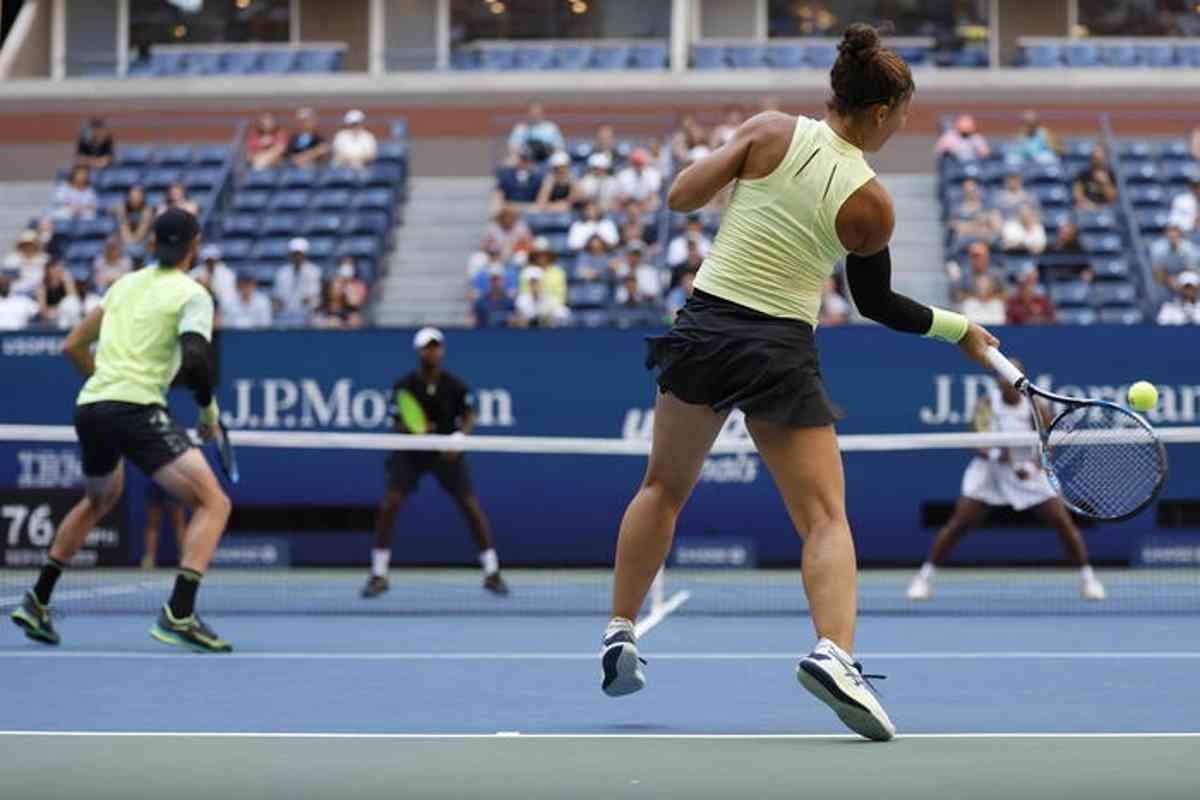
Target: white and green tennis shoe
[(837, 680)]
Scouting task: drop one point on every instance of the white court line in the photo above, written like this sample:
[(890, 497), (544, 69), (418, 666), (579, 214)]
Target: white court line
[(518, 735), (648, 622), (998, 655)]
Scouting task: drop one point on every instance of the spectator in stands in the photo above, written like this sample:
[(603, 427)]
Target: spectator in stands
[(678, 297), (75, 198), (177, 197), (53, 241), (16, 310), (677, 250), (508, 234), (648, 277), (543, 262), (536, 307), (134, 216), (605, 142), (557, 191), (633, 228), (333, 312), (297, 285), (1183, 310), (1095, 187), (963, 141), (692, 263), (248, 308), (640, 181), (1036, 142), (480, 265), (354, 146), (979, 260), (632, 308), (595, 262), (1066, 243), (306, 147), (353, 289), (535, 133), (95, 147), (1010, 198), (519, 184), (137, 256), (77, 305), (214, 275), (1172, 256), (599, 186), (973, 219), (1184, 206), (265, 143), (111, 264), (494, 308), (25, 265), (1029, 305), (592, 224), (1024, 233), (835, 310), (689, 143), (984, 304), (723, 133), (56, 285)]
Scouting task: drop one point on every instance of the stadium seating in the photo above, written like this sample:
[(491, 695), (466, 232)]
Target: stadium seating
[(1085, 54), (171, 63)]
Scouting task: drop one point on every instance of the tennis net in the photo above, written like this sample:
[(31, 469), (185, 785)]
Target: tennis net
[(556, 502)]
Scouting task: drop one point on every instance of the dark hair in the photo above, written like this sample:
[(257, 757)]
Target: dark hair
[(867, 73)]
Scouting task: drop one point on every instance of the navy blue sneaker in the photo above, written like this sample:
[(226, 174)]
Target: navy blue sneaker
[(35, 619), (189, 632), (621, 665)]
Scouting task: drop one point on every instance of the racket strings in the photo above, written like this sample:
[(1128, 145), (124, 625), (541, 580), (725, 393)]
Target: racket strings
[(1106, 463)]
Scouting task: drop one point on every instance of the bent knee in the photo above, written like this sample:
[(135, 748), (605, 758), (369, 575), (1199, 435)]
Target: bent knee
[(665, 493)]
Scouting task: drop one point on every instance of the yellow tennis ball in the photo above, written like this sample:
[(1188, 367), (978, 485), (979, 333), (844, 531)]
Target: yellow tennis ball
[(1143, 396)]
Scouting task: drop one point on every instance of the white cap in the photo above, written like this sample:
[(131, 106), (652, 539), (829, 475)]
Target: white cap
[(354, 117), (426, 337), (599, 161), (210, 252), (1188, 278), (496, 270), (298, 245), (541, 245), (535, 273), (559, 159)]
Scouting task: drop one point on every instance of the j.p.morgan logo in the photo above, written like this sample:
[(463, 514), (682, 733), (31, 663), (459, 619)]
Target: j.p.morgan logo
[(739, 468)]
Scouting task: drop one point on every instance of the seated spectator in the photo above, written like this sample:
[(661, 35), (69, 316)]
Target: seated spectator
[(53, 241), (16, 310), (963, 142), (629, 297), (544, 262), (333, 312), (95, 147), (353, 289), (75, 198), (177, 197), (213, 275), (56, 285), (307, 147), (640, 181), (1009, 199), (535, 133), (689, 142), (1024, 233), (979, 260), (1183, 309), (677, 298), (265, 143), (677, 250), (354, 146), (592, 224), (537, 307), (557, 191), (647, 276), (134, 216), (518, 185), (1172, 256), (479, 267), (297, 285), (1183, 208), (248, 307), (984, 304), (692, 263), (723, 133), (605, 142), (598, 185), (25, 265), (595, 262), (973, 219), (111, 264), (1029, 305), (1066, 243), (835, 309), (1035, 142), (494, 308), (1095, 187), (507, 234), (77, 305)]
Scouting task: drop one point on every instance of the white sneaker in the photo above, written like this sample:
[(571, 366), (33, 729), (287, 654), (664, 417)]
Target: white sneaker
[(838, 682), (620, 665), (1092, 589), (921, 588)]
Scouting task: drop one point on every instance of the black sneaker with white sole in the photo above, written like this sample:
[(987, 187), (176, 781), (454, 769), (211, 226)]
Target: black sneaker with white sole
[(620, 664), (838, 682)]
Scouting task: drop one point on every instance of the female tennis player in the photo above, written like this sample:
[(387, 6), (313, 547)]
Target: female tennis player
[(805, 198)]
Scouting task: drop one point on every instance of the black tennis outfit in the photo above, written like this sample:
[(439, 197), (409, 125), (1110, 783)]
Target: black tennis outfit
[(445, 402)]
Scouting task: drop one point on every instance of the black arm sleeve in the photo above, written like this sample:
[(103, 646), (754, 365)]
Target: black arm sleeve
[(870, 280), (196, 371)]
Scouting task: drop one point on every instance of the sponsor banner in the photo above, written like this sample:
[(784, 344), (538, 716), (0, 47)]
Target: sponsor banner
[(1180, 549), (30, 517), (713, 552), (253, 551)]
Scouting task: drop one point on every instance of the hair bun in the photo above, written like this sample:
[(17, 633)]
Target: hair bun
[(859, 41)]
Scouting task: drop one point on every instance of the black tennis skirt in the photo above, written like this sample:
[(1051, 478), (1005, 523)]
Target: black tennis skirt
[(724, 355)]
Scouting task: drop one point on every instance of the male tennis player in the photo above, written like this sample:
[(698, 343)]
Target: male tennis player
[(1007, 476), (446, 403), (152, 324)]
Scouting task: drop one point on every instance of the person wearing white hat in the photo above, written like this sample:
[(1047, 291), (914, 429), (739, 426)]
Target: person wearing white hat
[(26, 265), (445, 403), (354, 146), (558, 187), (1183, 310), (297, 285), (592, 224), (553, 277), (598, 185), (213, 274)]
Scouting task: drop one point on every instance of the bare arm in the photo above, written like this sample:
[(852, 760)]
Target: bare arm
[(77, 347), (755, 151)]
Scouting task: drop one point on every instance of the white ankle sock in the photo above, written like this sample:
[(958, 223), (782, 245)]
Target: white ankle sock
[(380, 559), (490, 562), (829, 644), (618, 624), (927, 570), (1086, 574)]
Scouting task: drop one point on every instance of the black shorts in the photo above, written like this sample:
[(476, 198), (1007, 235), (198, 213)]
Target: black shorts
[(723, 355), (146, 435), (404, 471)]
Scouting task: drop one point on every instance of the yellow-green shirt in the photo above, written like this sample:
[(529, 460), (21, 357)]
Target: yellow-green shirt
[(145, 313), (778, 240)]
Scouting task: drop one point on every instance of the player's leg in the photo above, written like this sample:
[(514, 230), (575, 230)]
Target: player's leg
[(968, 514), (806, 465), (683, 435), (452, 474), (1053, 512), (402, 478)]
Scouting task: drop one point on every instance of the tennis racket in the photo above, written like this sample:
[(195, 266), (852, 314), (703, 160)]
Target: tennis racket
[(225, 454), (410, 413), (1105, 461)]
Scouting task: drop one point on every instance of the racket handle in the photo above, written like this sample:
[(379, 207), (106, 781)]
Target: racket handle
[(1006, 368)]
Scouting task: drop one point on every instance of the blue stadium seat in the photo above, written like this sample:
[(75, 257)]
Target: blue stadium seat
[(118, 179), (1188, 55), (335, 200), (743, 56), (1081, 55), (264, 272), (289, 200), (1173, 149), (1043, 56), (533, 57), (84, 249), (315, 61), (971, 58), (392, 152), (211, 155), (1121, 56), (167, 62), (110, 199), (572, 57), (322, 225), (1015, 265), (277, 62), (236, 249), (592, 318), (1115, 293), (606, 57), (1101, 243), (100, 227), (1076, 316), (143, 68), (239, 62), (785, 56), (549, 222), (202, 63), (261, 179), (240, 225), (1178, 170), (1147, 194), (1140, 171), (298, 178), (820, 56), (1055, 218), (1152, 220), (558, 243), (161, 178), (280, 224), (498, 59), (594, 294), (1159, 56), (201, 179), (373, 223), (649, 56), (1070, 293), (1108, 269), (1052, 194), (1081, 148), (915, 56), (464, 59), (708, 56), (359, 247), (321, 248), (275, 248), (1139, 149), (175, 155), (339, 178), (1043, 173), (130, 155), (374, 200), (251, 201), (384, 175), (1121, 316), (81, 271), (1099, 221)]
